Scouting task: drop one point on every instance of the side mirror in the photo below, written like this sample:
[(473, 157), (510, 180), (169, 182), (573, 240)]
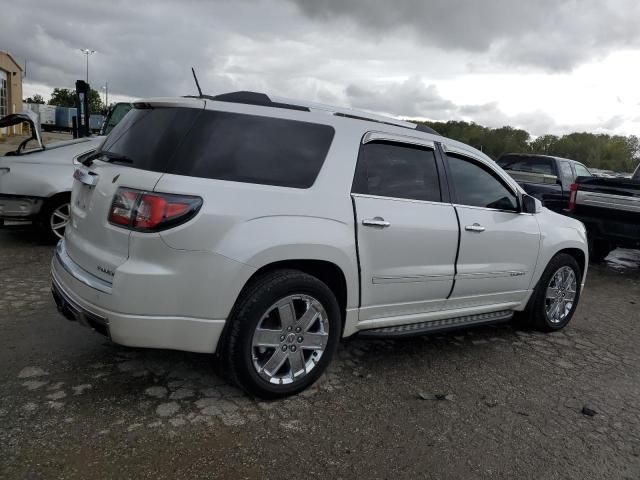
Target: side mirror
[(531, 205)]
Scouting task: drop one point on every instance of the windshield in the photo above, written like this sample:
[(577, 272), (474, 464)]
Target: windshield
[(116, 114), (636, 174)]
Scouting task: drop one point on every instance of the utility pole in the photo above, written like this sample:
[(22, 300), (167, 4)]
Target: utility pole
[(87, 52)]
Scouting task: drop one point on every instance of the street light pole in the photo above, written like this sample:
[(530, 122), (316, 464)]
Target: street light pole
[(106, 94), (87, 52)]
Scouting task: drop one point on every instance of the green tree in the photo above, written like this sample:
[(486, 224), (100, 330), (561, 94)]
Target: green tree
[(609, 152), (37, 98), (65, 97)]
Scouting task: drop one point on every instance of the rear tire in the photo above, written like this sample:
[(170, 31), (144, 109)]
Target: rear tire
[(54, 217), (556, 297), (281, 335)]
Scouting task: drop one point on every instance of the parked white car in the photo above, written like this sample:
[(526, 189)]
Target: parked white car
[(265, 230), (35, 182)]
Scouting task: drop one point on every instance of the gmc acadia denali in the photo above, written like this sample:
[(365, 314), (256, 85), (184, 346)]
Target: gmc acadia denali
[(264, 230)]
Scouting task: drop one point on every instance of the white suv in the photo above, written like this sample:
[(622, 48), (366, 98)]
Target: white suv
[(265, 230)]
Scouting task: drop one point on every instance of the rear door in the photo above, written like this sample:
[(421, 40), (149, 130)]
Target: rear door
[(407, 230), (498, 244), (144, 141)]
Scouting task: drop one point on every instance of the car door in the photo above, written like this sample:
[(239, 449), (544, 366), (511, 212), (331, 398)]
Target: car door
[(498, 244), (407, 230)]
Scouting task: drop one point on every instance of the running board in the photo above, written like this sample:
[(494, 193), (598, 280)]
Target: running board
[(438, 325)]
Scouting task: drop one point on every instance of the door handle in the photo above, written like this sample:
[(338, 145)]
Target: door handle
[(376, 222), (476, 227)]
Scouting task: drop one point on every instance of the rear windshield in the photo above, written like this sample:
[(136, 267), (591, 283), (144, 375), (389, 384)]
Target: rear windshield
[(149, 137), (528, 164), (222, 145)]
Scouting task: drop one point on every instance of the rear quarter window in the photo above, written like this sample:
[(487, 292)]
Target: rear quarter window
[(254, 149)]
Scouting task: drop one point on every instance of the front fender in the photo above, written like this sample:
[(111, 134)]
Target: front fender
[(556, 238)]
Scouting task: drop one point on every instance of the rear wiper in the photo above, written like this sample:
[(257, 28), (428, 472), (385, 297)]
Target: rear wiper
[(106, 157)]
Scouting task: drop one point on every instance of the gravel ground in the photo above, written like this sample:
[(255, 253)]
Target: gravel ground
[(498, 402)]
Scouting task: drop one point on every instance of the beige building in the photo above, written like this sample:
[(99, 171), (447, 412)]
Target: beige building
[(10, 85)]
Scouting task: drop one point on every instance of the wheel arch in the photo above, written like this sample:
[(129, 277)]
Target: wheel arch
[(327, 272), (579, 256)]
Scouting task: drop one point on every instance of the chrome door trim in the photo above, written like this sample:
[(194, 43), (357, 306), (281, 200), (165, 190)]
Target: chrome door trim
[(382, 279), (411, 200), (483, 275)]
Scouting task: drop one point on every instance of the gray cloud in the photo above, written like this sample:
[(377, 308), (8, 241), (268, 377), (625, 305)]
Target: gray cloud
[(411, 98), (554, 35), (379, 56)]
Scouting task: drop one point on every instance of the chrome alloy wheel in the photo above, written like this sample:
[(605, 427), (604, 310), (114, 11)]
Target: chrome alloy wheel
[(290, 339), (59, 219), (561, 294)]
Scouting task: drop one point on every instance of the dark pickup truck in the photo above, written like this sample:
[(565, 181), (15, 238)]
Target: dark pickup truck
[(547, 178), (610, 209)]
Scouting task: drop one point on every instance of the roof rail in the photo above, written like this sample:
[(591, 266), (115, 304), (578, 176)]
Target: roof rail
[(262, 99)]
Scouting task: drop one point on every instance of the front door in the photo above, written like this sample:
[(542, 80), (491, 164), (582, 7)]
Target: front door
[(407, 230), (498, 244)]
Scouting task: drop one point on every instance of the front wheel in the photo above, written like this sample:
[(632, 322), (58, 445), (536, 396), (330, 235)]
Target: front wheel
[(282, 334), (555, 299), (55, 217)]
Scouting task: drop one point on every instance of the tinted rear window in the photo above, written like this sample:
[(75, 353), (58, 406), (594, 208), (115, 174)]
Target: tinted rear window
[(528, 164), (149, 137), (254, 149), (222, 145)]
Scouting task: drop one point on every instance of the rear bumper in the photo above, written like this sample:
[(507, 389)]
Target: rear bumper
[(78, 301), (17, 207)]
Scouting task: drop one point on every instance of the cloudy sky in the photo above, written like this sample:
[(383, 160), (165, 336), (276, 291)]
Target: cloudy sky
[(549, 66)]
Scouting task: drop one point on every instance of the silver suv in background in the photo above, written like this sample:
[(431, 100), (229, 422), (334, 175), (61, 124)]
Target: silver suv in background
[(265, 230), (35, 182)]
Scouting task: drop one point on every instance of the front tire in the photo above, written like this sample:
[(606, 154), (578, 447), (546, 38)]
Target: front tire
[(282, 334), (555, 298), (54, 218)]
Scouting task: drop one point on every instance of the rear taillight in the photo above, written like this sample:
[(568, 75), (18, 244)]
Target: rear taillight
[(151, 212), (573, 193)]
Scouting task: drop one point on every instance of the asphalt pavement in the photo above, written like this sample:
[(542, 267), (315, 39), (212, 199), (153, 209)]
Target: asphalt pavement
[(492, 402)]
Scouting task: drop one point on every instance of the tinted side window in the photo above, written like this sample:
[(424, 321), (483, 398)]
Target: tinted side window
[(254, 149), (398, 171), (475, 185)]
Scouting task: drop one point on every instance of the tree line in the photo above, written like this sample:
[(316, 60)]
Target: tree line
[(597, 150), (66, 97)]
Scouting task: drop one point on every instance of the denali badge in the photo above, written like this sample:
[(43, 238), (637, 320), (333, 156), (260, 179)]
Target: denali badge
[(106, 271)]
